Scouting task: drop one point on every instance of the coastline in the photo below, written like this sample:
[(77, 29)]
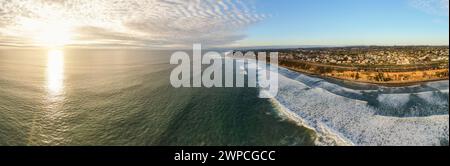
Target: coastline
[(359, 123), (387, 84), (361, 114)]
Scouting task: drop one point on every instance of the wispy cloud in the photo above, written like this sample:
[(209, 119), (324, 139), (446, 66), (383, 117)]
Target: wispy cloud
[(435, 7), (140, 23)]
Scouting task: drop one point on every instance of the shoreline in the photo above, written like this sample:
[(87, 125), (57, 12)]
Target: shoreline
[(386, 84), (330, 124)]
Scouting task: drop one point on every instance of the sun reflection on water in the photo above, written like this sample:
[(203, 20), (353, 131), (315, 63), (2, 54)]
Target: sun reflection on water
[(55, 72), (50, 128)]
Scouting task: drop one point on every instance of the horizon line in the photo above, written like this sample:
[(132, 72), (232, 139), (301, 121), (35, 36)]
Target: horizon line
[(214, 47)]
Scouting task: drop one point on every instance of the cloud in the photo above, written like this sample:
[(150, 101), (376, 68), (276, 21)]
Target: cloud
[(435, 7), (140, 23)]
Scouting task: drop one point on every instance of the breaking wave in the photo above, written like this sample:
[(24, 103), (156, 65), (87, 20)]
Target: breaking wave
[(343, 113), (415, 115), (371, 115)]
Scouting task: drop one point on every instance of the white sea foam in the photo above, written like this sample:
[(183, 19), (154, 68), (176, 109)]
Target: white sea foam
[(343, 116), (431, 98), (393, 100)]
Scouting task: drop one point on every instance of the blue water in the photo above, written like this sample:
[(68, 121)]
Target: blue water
[(123, 97)]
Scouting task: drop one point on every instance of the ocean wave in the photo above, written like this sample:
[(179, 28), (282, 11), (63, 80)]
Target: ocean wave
[(367, 115), (415, 115)]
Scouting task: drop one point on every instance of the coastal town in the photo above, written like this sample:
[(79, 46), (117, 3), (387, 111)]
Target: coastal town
[(388, 65), (369, 55)]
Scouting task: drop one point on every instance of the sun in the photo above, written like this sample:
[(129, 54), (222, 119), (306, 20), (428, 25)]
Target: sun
[(45, 33), (53, 36)]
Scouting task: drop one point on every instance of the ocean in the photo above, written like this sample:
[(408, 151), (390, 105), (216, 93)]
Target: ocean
[(124, 97)]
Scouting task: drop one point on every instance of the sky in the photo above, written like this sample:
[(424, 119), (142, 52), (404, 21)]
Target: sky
[(352, 22), (222, 23)]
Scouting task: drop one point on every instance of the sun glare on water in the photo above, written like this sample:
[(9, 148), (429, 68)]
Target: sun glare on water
[(55, 71), (53, 36)]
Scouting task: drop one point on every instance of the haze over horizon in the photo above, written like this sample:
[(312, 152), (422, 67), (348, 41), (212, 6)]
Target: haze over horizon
[(157, 24)]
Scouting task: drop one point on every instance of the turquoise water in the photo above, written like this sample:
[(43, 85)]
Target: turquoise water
[(123, 97)]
